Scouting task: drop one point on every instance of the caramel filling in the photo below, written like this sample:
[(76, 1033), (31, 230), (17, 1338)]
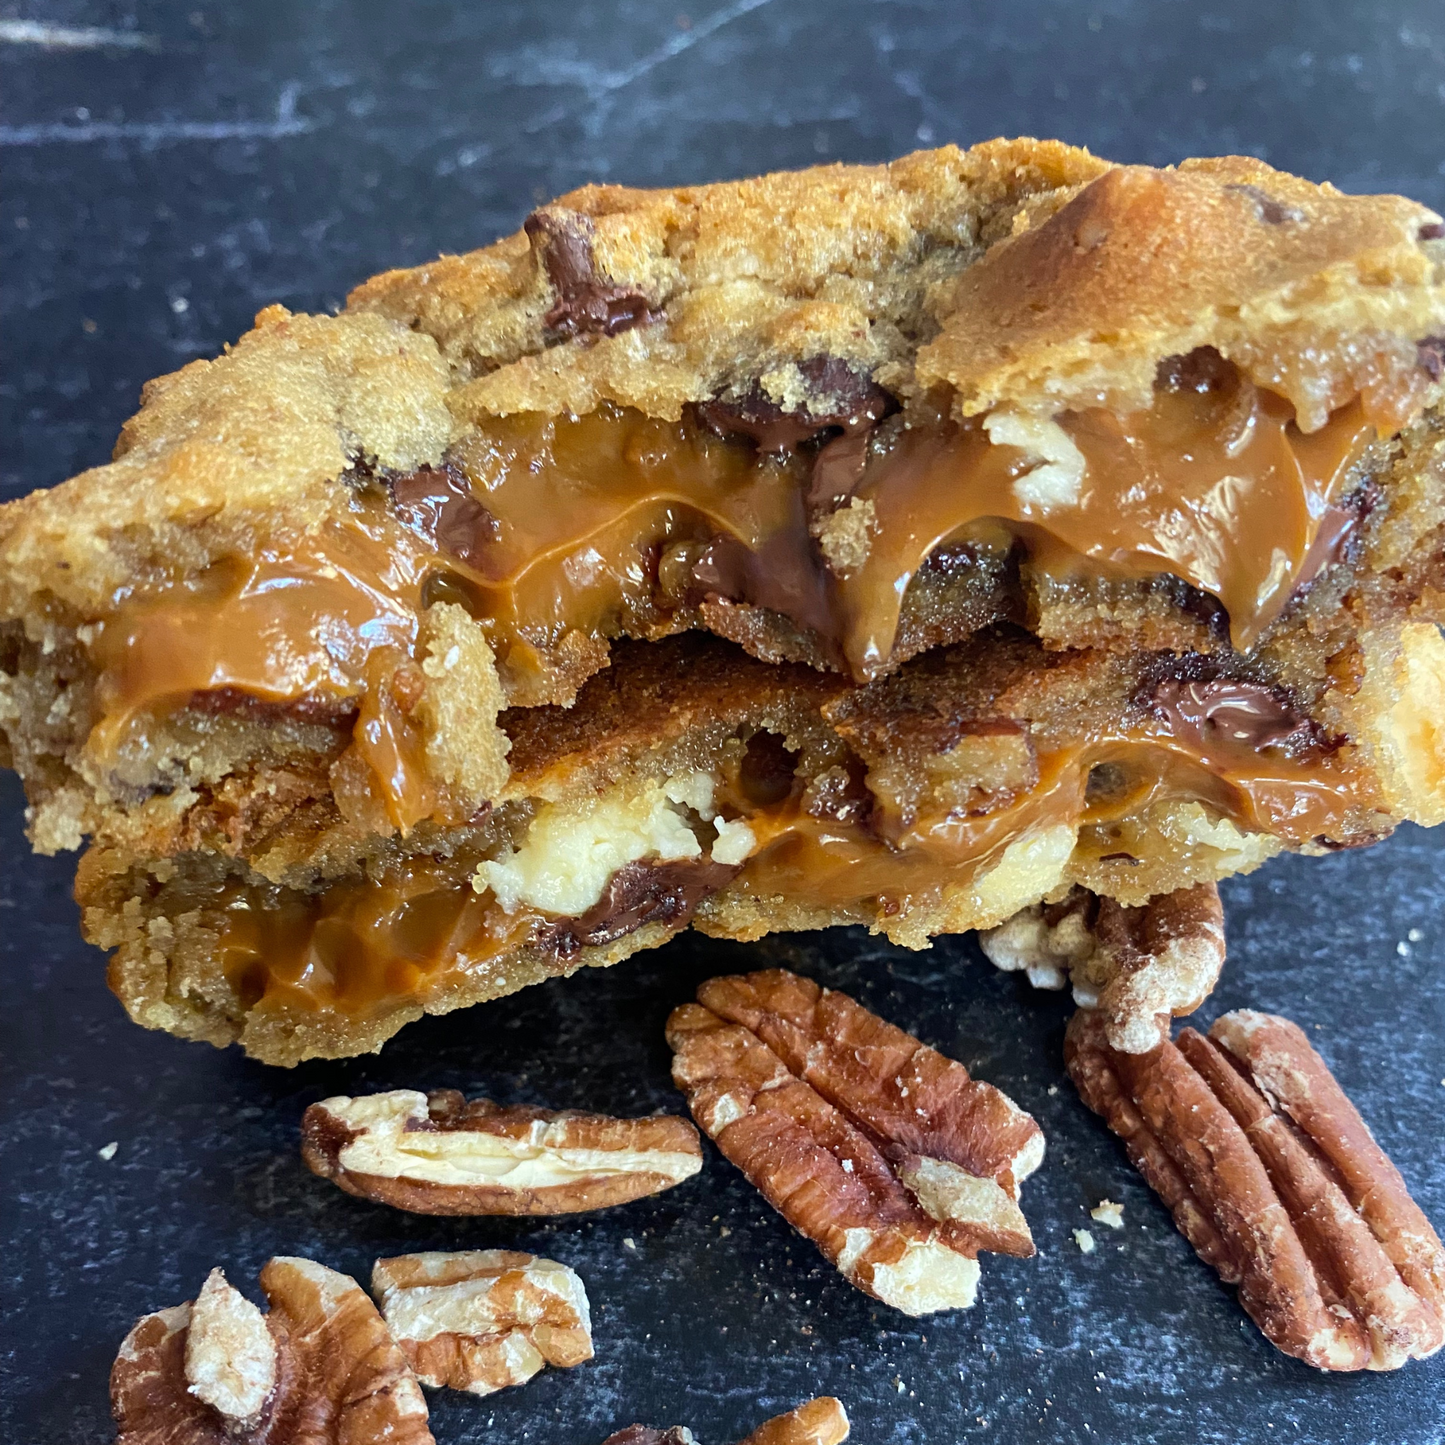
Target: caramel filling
[(546, 526), (363, 946)]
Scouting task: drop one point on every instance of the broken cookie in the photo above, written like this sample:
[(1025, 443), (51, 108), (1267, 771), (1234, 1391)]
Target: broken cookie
[(438, 1153), (1273, 1177), (884, 1153), (484, 1319)]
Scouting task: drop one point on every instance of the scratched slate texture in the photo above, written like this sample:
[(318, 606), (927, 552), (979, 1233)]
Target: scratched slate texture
[(169, 169)]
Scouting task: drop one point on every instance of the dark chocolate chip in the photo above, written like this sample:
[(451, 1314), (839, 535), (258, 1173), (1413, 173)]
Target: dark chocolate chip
[(587, 303), (1201, 370), (1432, 231), (638, 894), (1270, 211), (1208, 713), (781, 575), (767, 772), (1431, 352), (437, 503), (857, 404)]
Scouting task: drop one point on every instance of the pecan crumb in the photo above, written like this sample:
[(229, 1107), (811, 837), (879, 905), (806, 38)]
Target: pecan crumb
[(1138, 967), (883, 1152), (1272, 1176)]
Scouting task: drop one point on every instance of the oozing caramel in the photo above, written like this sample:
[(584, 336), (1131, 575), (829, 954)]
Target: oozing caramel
[(542, 527), (1214, 483), (401, 937)]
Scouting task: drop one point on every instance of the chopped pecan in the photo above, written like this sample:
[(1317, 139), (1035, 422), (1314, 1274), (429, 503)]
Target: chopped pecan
[(1137, 967), (439, 1154), (483, 1319), (818, 1422), (883, 1152), (318, 1369), (1274, 1179)]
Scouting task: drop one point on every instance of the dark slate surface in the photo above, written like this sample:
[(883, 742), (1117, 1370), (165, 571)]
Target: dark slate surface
[(206, 159)]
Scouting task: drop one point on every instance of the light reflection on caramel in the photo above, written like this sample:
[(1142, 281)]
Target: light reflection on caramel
[(584, 505)]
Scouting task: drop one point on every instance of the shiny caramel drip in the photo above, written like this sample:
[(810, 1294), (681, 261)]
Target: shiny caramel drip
[(419, 926), (1222, 490), (1216, 486)]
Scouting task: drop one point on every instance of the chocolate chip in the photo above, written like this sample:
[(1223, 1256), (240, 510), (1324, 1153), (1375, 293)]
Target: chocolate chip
[(1269, 210), (856, 403), (1432, 231), (437, 503), (767, 772), (1201, 370), (1431, 352), (587, 302), (639, 893), (781, 575), (1208, 713)]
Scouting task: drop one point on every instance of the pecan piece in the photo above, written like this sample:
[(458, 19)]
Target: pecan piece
[(1274, 1179), (483, 1319), (318, 1369), (883, 1152), (439, 1154), (818, 1422), (1137, 967)]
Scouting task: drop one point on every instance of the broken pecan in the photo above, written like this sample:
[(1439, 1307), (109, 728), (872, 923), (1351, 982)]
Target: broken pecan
[(438, 1154), (1274, 1179), (883, 1152), (319, 1369), (818, 1422), (483, 1319), (1137, 967)]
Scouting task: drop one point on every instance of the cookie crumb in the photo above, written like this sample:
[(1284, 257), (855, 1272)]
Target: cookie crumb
[(107, 1151), (1085, 1241)]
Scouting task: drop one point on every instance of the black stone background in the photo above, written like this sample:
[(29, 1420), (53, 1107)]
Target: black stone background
[(156, 193)]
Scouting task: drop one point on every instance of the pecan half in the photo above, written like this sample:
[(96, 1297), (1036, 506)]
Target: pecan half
[(483, 1319), (439, 1154), (318, 1369), (1274, 1179), (883, 1152), (818, 1422), (1138, 967)]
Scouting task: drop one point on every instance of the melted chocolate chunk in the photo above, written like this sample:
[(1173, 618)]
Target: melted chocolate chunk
[(781, 575), (332, 712), (1207, 713), (1269, 210), (1338, 535), (436, 503), (857, 403), (1431, 352), (587, 302), (1432, 231), (639, 893)]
